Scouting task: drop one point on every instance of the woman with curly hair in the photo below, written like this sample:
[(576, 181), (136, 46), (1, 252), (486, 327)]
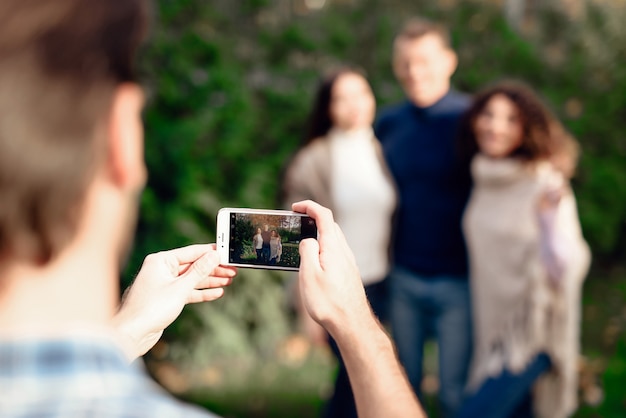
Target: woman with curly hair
[(276, 248), (527, 255)]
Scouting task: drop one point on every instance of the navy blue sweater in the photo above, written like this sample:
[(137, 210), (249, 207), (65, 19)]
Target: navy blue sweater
[(420, 148)]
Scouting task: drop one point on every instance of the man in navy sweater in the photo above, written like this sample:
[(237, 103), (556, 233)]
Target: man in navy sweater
[(429, 283)]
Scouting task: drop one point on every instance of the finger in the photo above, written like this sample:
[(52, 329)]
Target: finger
[(225, 271), (347, 251), (205, 295), (220, 271), (182, 268), (190, 253), (309, 257), (323, 216), (213, 282), (202, 268)]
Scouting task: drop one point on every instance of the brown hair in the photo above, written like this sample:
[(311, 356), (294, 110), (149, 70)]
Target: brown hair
[(319, 120), (544, 137), (59, 64), (417, 27)]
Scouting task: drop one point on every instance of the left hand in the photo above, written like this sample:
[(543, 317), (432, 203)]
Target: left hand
[(167, 281)]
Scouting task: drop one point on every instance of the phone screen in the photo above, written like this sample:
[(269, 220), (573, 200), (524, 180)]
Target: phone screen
[(268, 240)]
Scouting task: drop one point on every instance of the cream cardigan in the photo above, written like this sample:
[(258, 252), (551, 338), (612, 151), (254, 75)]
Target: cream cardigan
[(516, 313), (362, 201)]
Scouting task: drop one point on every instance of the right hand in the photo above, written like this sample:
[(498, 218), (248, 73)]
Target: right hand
[(330, 284)]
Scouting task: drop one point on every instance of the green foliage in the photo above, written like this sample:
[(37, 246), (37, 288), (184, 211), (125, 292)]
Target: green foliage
[(615, 401), (243, 232)]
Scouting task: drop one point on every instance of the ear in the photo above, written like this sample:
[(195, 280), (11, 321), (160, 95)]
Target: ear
[(396, 65), (125, 128), (452, 61)]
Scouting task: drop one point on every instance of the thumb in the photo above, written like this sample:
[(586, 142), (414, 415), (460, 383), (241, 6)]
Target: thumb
[(309, 256), (201, 268)]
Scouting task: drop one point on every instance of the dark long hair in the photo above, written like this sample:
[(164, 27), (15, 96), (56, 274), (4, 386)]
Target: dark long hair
[(319, 122), (543, 136), (319, 119)]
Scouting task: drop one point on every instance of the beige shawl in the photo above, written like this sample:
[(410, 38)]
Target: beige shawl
[(517, 314)]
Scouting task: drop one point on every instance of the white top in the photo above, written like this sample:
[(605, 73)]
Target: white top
[(364, 200), (258, 241)]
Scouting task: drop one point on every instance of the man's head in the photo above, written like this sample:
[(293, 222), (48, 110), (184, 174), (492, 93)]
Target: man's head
[(423, 61), (69, 111)]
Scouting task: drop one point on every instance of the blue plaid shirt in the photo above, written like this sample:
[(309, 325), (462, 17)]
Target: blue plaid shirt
[(79, 377)]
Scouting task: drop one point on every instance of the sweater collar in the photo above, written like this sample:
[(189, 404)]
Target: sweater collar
[(504, 171), (498, 171)]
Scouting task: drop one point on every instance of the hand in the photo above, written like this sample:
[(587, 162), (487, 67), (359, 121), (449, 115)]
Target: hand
[(167, 281), (549, 199), (333, 294), (550, 244), (330, 284)]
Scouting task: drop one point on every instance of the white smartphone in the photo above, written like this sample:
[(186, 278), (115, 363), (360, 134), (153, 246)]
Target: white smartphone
[(262, 238)]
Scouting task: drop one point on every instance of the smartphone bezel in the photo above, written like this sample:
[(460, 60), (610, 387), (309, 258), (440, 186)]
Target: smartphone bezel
[(223, 235)]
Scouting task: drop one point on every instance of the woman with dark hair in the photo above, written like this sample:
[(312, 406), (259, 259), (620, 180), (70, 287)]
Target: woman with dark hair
[(257, 244), (527, 255), (340, 165)]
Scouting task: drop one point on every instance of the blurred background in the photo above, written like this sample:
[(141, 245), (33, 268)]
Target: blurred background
[(230, 84)]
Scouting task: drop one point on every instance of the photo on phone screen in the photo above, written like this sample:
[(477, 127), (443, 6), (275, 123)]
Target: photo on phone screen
[(266, 239)]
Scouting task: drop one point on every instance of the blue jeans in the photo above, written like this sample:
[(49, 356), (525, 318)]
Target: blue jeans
[(439, 307), (265, 253), (341, 404), (507, 395)]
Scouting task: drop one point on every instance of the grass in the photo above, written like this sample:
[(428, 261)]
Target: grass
[(274, 388), (296, 385)]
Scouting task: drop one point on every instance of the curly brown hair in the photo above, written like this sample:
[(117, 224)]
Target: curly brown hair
[(544, 137)]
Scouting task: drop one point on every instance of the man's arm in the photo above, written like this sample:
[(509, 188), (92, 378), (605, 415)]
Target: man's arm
[(333, 294), (167, 281)]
